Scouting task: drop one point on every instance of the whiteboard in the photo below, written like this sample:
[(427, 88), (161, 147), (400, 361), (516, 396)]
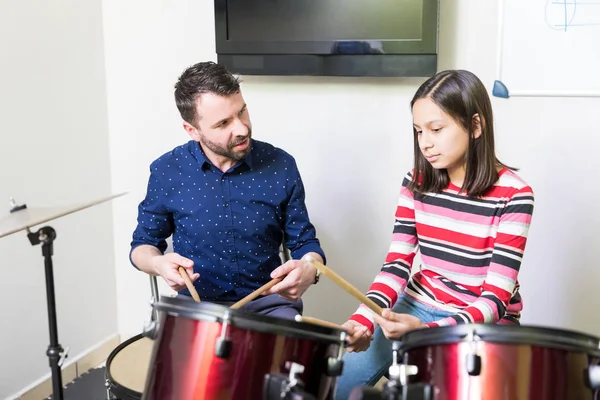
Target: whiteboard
[(548, 48)]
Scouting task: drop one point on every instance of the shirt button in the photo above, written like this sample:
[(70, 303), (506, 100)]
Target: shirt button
[(229, 233), (226, 204), (232, 259)]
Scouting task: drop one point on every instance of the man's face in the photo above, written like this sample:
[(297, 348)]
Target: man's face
[(223, 125)]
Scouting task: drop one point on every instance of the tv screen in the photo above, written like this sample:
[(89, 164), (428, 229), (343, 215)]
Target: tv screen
[(328, 37)]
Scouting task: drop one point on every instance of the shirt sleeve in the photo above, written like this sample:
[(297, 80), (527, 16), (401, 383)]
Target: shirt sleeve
[(501, 280), (391, 281), (300, 235), (155, 222)]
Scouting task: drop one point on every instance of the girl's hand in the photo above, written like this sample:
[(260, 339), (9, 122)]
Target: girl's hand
[(359, 336), (395, 325)]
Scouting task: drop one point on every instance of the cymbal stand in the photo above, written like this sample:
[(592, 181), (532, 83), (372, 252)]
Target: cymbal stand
[(56, 354)]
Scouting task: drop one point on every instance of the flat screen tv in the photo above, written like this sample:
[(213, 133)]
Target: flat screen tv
[(328, 37)]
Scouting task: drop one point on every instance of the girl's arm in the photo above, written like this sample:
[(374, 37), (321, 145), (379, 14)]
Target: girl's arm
[(393, 277)]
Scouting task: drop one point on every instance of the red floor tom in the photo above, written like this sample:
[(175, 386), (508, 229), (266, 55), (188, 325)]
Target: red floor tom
[(208, 351)]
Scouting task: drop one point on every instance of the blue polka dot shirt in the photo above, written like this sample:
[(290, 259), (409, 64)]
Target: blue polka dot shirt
[(231, 223)]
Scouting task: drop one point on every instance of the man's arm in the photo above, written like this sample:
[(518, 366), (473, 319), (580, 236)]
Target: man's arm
[(155, 225)]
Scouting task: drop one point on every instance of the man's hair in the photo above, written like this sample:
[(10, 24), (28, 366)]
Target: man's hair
[(202, 78), (461, 95)]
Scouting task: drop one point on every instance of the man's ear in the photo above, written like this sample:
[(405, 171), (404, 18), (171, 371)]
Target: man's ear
[(476, 126), (191, 131)]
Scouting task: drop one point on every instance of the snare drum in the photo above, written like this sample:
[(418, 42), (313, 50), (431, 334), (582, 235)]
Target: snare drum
[(502, 362), (208, 351), (126, 369)]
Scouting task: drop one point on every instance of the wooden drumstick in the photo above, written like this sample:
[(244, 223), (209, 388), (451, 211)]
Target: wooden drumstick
[(256, 293), (316, 321), (189, 284), (346, 286)]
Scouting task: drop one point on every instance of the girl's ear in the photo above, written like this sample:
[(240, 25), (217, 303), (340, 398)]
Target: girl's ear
[(476, 126)]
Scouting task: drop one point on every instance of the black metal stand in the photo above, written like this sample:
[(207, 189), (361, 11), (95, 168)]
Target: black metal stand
[(45, 236)]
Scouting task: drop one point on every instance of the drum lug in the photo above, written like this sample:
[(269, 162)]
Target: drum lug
[(473, 364), (592, 377), (397, 372), (223, 345), (473, 361), (335, 366)]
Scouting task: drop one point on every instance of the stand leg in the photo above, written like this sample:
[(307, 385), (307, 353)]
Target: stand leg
[(46, 236)]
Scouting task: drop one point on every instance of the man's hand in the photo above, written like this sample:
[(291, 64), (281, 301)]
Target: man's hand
[(168, 265), (359, 336), (299, 275), (395, 325)]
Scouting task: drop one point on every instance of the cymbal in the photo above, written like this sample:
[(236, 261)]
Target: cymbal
[(28, 217)]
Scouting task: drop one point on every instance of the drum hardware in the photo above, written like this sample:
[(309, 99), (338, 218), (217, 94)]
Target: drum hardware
[(223, 344), (473, 361), (592, 377), (23, 218), (56, 354), (15, 207), (399, 373), (335, 366), (397, 387), (150, 329), (278, 386), (151, 326)]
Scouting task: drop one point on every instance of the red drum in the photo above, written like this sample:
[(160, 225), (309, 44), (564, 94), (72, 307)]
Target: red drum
[(205, 351), (500, 362)]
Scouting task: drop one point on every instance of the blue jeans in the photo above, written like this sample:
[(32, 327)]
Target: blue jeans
[(366, 368)]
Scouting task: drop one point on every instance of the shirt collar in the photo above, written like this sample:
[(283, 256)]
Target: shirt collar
[(205, 162)]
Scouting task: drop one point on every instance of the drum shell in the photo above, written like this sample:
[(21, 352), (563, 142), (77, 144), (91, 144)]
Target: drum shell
[(529, 366), (184, 364)]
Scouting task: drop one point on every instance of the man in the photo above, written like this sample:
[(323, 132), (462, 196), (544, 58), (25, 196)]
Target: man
[(229, 201)]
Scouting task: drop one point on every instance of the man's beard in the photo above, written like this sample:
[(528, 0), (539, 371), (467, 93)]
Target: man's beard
[(228, 151)]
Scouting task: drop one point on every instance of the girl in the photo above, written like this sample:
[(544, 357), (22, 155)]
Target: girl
[(467, 213)]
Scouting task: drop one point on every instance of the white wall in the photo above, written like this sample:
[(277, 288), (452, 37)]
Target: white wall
[(54, 151), (352, 140)]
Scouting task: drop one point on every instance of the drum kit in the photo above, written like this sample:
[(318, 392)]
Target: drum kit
[(200, 350)]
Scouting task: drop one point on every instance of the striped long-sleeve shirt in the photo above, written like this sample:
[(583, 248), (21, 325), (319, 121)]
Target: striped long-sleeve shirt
[(471, 251)]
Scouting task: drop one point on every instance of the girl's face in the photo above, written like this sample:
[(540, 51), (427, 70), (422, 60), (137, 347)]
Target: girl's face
[(443, 141)]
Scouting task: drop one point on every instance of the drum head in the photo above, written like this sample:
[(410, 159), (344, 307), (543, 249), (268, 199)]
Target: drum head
[(127, 367), (206, 311), (509, 334)]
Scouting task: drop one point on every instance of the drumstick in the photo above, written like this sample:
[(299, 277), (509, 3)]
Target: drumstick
[(316, 321), (346, 286), (189, 284), (256, 293)]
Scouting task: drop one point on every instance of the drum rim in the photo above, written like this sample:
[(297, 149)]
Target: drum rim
[(113, 383), (244, 319), (539, 336)]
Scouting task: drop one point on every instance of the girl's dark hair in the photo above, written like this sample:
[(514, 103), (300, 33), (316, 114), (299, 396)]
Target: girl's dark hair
[(461, 95), (201, 78)]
